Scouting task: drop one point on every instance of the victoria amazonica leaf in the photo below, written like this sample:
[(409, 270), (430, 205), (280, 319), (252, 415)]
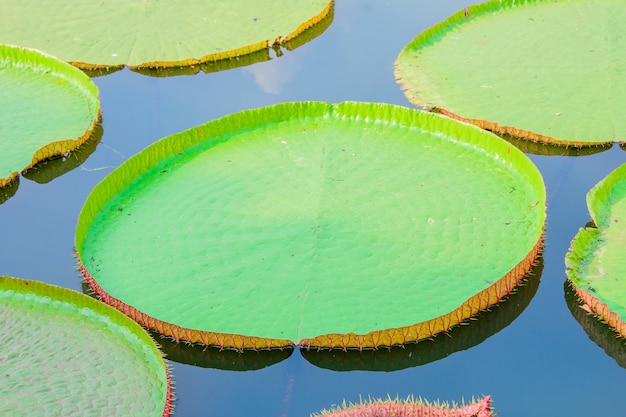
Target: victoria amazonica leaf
[(47, 108), (549, 71), (350, 225), (65, 354), (140, 33), (596, 265)]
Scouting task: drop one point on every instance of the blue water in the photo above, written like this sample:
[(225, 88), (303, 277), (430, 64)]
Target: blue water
[(541, 364)]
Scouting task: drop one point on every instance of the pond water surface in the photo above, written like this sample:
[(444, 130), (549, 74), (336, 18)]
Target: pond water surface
[(530, 354)]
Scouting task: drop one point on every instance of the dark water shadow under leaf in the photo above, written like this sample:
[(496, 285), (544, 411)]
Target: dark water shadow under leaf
[(244, 60), (212, 357), (9, 190), (101, 71), (545, 149), (207, 67), (599, 332), (463, 337), (46, 171)]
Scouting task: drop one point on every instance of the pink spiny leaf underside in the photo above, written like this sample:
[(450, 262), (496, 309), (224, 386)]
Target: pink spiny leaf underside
[(397, 408)]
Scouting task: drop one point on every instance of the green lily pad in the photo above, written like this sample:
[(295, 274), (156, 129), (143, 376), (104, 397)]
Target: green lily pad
[(63, 353), (549, 71), (411, 407), (354, 225), (136, 33), (596, 265), (47, 108)]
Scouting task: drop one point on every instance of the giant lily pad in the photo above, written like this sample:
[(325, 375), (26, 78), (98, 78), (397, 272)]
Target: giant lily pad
[(137, 33), (354, 225), (545, 70), (596, 265), (47, 108), (63, 353)]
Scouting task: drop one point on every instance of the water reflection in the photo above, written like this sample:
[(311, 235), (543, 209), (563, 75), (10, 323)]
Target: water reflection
[(600, 333), (102, 71), (273, 76), (483, 326), (540, 148), (208, 67), (9, 190), (212, 357)]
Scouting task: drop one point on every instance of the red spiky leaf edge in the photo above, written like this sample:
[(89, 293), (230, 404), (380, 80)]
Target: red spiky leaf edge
[(410, 408), (481, 301)]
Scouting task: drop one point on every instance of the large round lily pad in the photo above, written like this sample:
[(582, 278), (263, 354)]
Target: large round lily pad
[(47, 108), (63, 353), (545, 70), (596, 265), (354, 225), (139, 33)]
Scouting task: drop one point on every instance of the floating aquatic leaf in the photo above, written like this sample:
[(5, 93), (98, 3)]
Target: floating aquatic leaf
[(47, 108), (549, 71), (114, 33), (596, 265), (354, 225), (63, 353)]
